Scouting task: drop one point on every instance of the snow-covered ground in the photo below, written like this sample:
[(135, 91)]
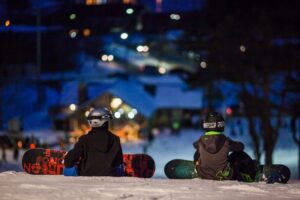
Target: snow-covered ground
[(167, 146), (15, 184), (22, 186)]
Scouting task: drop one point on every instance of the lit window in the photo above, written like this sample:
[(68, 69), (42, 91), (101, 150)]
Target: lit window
[(86, 32), (116, 102), (129, 1), (162, 70), (89, 2), (95, 2), (7, 23)]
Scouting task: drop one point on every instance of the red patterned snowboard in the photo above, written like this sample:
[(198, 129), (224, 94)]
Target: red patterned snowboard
[(49, 162)]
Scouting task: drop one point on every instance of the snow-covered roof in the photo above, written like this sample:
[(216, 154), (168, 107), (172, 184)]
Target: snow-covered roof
[(170, 92), (133, 93), (162, 80), (28, 29), (69, 93), (177, 97)]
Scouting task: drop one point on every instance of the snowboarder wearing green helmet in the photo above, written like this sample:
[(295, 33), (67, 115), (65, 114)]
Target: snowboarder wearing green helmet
[(212, 157)]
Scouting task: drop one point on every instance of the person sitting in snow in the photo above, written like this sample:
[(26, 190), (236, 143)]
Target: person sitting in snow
[(212, 157), (99, 153)]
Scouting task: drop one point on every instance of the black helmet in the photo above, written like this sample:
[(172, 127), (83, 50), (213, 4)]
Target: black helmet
[(99, 116), (214, 122)]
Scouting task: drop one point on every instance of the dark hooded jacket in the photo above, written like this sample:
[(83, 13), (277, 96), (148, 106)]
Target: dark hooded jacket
[(212, 155), (98, 153)]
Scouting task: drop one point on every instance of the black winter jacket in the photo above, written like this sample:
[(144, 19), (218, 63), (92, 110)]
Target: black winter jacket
[(212, 156), (98, 153)]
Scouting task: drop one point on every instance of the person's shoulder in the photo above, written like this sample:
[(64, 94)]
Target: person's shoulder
[(231, 140), (114, 135), (82, 138), (226, 140)]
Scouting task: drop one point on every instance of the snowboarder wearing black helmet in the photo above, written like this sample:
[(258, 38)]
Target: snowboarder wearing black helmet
[(212, 153), (99, 153)]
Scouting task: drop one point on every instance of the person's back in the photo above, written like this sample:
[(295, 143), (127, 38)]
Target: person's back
[(212, 150), (98, 153)]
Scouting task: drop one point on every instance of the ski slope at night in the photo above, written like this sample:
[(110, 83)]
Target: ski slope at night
[(15, 184)]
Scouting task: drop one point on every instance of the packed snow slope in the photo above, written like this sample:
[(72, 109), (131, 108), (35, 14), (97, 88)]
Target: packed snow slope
[(18, 185)]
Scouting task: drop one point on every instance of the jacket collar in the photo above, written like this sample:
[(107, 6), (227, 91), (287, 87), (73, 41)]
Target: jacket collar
[(213, 133)]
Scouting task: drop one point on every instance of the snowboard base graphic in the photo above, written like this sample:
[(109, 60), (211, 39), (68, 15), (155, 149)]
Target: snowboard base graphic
[(50, 162), (186, 169)]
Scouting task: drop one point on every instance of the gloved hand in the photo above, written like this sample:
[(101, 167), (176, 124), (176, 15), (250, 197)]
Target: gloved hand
[(71, 171), (120, 170), (275, 177)]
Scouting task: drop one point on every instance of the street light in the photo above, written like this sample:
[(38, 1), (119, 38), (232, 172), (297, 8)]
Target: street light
[(72, 16), (146, 48), (142, 48), (117, 115), (124, 36), (73, 33), (110, 58), (134, 111), (129, 11), (203, 64), (107, 58), (104, 57), (130, 115), (175, 16), (73, 107), (242, 48)]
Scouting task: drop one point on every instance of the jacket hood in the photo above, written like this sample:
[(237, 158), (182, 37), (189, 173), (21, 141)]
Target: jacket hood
[(100, 139), (213, 143)]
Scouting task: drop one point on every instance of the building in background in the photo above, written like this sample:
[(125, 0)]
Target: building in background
[(137, 104)]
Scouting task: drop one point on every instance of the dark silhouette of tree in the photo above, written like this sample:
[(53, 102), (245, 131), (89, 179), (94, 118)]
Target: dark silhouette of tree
[(254, 44), (294, 88)]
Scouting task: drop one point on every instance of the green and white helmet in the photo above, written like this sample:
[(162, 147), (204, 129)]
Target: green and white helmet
[(214, 122), (99, 116)]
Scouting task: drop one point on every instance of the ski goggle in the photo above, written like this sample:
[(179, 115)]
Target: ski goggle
[(102, 117), (213, 125)]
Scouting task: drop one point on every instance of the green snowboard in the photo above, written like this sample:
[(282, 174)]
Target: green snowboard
[(185, 169)]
